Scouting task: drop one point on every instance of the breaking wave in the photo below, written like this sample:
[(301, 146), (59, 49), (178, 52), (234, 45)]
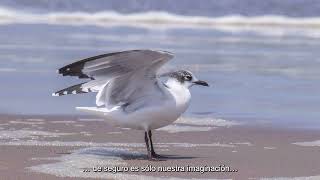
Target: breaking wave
[(151, 19)]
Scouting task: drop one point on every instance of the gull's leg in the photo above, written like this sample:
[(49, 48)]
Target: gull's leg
[(146, 139), (153, 153)]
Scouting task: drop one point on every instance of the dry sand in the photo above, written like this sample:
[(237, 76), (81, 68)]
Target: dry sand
[(56, 147)]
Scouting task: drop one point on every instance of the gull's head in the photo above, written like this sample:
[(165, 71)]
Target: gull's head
[(185, 78)]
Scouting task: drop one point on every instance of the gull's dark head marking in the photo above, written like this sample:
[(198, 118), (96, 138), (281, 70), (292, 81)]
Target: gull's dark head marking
[(182, 75), (187, 78)]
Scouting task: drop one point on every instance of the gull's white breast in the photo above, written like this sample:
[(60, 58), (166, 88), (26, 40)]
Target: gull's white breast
[(160, 113)]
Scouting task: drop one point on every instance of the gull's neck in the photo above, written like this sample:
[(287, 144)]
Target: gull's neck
[(180, 92), (175, 85)]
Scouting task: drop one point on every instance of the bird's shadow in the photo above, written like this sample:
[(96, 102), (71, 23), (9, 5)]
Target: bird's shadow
[(110, 153)]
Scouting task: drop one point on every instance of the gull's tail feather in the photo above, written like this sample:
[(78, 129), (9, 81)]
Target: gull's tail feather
[(91, 86), (75, 89)]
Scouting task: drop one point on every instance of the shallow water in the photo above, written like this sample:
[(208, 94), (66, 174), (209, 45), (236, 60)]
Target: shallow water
[(257, 73)]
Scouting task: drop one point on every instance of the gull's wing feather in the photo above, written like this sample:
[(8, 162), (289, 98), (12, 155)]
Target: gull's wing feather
[(113, 64), (123, 77)]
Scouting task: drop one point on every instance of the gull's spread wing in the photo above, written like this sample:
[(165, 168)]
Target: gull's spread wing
[(119, 78)]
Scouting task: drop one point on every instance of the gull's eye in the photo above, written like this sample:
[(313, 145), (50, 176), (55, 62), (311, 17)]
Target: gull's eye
[(188, 78)]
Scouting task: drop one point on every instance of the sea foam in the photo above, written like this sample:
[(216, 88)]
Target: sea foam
[(151, 19)]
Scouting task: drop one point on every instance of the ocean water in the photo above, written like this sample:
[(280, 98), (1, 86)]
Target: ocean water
[(261, 58)]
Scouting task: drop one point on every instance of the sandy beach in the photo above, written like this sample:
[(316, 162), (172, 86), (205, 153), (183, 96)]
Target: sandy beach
[(258, 119), (55, 147)]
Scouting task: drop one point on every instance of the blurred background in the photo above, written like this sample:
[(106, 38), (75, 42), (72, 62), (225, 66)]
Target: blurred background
[(261, 58)]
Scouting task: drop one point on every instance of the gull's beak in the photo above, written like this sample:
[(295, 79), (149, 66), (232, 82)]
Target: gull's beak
[(202, 83)]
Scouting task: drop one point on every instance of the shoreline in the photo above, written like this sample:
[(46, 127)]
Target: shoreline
[(40, 147)]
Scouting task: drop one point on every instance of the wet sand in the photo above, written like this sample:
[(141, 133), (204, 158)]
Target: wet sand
[(56, 147)]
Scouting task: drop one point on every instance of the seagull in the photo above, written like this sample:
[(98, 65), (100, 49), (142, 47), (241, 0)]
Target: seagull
[(131, 92)]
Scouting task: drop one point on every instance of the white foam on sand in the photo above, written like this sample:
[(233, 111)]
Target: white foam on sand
[(32, 134), (187, 145), (310, 143), (69, 144), (74, 164), (269, 148), (37, 120), (175, 128), (206, 122), (78, 125), (85, 133), (89, 120), (26, 122), (18, 142), (62, 122), (243, 143), (116, 132)]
